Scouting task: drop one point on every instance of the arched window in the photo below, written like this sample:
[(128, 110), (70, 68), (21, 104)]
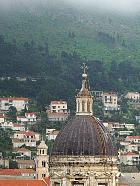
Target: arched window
[(83, 106), (42, 151), (78, 106), (88, 106)]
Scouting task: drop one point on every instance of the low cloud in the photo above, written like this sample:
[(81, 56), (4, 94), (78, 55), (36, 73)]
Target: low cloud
[(124, 6)]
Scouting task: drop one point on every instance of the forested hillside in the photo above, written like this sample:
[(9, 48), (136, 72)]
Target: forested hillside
[(49, 43), (92, 34)]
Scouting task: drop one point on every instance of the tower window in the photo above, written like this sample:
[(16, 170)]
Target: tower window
[(42, 151), (43, 164), (102, 184), (43, 175)]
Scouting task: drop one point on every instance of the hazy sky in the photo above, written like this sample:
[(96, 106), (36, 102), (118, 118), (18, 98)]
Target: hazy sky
[(126, 6)]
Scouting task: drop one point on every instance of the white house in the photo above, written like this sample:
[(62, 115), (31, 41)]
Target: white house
[(133, 139), (22, 119), (31, 117), (13, 126), (19, 103), (133, 95), (53, 135), (57, 116), (58, 107), (130, 158), (23, 151), (29, 138), (2, 117), (110, 101)]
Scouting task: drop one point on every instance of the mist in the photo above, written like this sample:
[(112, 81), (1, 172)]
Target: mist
[(121, 6)]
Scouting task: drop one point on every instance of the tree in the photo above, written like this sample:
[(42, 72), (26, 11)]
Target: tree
[(12, 114)]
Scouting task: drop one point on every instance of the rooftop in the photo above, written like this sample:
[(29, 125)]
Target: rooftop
[(58, 102), (16, 171), (44, 182), (15, 99)]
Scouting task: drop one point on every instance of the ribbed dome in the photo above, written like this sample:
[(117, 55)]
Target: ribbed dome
[(83, 135)]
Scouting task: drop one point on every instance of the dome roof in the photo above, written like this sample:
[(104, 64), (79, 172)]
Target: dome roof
[(83, 135)]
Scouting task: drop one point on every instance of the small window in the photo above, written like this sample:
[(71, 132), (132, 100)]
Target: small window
[(43, 175)]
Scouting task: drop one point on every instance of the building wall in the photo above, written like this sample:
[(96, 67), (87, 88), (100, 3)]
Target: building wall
[(58, 106), (86, 171)]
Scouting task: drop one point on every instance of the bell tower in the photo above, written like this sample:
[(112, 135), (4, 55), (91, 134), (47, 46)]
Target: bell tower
[(84, 100), (42, 160)]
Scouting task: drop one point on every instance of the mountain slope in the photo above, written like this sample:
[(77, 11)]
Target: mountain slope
[(93, 35)]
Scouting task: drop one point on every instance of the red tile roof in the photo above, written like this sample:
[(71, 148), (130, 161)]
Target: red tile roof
[(58, 102), (2, 115), (129, 154), (133, 137), (22, 150), (30, 114), (23, 183), (27, 133), (15, 99), (109, 94), (16, 171), (17, 125)]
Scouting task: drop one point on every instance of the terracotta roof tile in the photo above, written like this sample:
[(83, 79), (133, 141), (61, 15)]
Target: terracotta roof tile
[(16, 171), (23, 183), (133, 137), (21, 150), (24, 99)]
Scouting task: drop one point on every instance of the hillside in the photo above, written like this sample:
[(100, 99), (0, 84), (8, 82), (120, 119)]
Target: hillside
[(47, 44), (95, 34)]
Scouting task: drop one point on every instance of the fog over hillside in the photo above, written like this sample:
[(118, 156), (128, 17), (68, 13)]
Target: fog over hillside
[(121, 6)]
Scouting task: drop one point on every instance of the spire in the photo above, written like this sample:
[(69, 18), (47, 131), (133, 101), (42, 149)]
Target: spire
[(84, 98), (85, 87)]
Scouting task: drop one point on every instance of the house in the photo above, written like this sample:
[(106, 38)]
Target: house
[(13, 126), (4, 163), (20, 182), (110, 101), (2, 117), (133, 95), (17, 174), (125, 132), (19, 103), (22, 119), (53, 135), (57, 116), (31, 117), (23, 152), (17, 127), (29, 138), (17, 142), (132, 147), (25, 164), (130, 158), (58, 107), (98, 94), (133, 139)]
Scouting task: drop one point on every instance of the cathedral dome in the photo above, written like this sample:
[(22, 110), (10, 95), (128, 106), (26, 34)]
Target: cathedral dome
[(83, 135)]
